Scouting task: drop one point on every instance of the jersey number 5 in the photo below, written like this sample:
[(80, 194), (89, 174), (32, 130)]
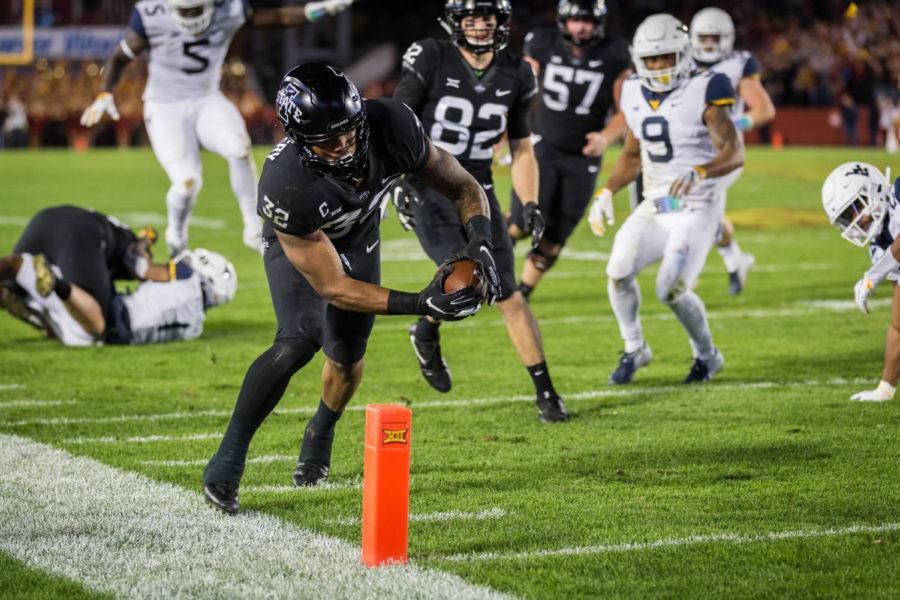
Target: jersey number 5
[(555, 79), (202, 61), (656, 130)]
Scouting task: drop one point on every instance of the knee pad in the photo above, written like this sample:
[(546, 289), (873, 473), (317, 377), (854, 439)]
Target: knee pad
[(187, 185), (621, 282), (619, 268), (287, 356), (541, 259), (670, 294)]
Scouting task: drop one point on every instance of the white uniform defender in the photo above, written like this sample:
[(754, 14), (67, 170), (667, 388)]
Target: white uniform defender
[(679, 122), (183, 105)]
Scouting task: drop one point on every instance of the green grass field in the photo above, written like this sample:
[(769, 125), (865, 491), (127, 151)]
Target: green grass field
[(574, 510)]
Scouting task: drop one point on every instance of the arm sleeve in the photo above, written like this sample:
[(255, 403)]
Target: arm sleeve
[(416, 74), (288, 205), (751, 68), (136, 23), (719, 91), (528, 47), (518, 127)]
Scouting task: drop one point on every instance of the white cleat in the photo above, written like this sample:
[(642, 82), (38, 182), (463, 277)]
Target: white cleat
[(176, 242), (737, 279)]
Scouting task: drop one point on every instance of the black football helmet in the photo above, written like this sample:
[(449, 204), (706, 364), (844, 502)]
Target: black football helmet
[(456, 10), (592, 10), (315, 103)]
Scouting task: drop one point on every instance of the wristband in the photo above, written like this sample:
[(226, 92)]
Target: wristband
[(403, 303), (479, 227), (701, 173), (179, 270), (883, 267), (743, 122)]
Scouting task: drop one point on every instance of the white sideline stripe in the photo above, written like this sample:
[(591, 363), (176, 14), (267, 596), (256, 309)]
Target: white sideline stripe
[(127, 535), (25, 403), (438, 517), (139, 219), (728, 538), (10, 386), (290, 489), (142, 440), (585, 395), (199, 462)]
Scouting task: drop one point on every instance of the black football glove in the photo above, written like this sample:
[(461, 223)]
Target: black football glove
[(404, 197), (432, 301), (480, 251), (535, 224)]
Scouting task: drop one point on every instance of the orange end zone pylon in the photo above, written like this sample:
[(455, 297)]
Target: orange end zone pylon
[(385, 513)]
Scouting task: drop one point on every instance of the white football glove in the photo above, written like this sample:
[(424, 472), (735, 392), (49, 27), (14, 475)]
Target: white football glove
[(882, 393), (864, 288), (682, 185), (316, 10), (601, 210), (102, 105)]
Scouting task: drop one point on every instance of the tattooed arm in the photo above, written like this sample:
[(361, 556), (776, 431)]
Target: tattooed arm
[(444, 174)]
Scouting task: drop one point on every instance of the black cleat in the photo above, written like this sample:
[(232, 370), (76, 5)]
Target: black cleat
[(630, 362), (432, 365), (315, 457), (703, 370), (308, 473), (551, 409), (17, 307), (223, 496)]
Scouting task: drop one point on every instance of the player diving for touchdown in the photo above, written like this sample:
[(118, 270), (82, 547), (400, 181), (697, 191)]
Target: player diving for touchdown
[(681, 135), (321, 195), (468, 91), (712, 40), (183, 106), (859, 200)]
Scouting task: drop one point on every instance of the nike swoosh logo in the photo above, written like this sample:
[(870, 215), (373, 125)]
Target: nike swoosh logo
[(501, 93), (595, 63), (488, 254), (372, 247), (538, 373), (431, 305)]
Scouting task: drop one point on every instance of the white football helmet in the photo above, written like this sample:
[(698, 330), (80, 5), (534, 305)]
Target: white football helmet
[(659, 35), (855, 198), (193, 16), (712, 21), (217, 276)]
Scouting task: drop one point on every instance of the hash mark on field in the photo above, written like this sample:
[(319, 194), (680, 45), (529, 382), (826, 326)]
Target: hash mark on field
[(585, 395), (10, 386), (129, 536), (290, 489), (142, 440), (438, 517), (27, 403), (728, 538), (199, 462), (157, 219)]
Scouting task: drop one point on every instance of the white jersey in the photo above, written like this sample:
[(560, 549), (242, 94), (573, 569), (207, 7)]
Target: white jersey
[(738, 65), (672, 134), (165, 312), (889, 231), (184, 66)]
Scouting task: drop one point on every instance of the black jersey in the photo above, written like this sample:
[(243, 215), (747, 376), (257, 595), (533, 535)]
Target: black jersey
[(576, 92), (297, 200), (464, 113)]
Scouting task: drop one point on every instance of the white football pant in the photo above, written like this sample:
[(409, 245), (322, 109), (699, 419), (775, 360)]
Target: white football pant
[(681, 241), (176, 130), (52, 310)]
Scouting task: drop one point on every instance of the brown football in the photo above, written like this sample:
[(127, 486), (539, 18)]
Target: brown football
[(464, 275)]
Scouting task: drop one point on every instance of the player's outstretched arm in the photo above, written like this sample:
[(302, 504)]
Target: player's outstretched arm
[(762, 110), (293, 16), (317, 260), (127, 50), (596, 142), (628, 167), (444, 174)]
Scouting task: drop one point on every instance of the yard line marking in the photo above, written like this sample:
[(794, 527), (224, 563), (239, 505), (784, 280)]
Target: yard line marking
[(729, 538), (159, 220), (185, 548), (142, 440), (584, 395), (10, 386), (27, 403), (199, 462), (291, 489), (438, 517)]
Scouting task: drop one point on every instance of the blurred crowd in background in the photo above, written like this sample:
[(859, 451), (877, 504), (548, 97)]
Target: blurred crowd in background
[(827, 54)]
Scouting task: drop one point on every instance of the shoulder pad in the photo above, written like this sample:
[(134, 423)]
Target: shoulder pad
[(421, 55)]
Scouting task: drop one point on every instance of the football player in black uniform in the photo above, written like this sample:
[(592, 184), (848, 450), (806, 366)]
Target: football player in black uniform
[(581, 73), (321, 194), (468, 92)]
